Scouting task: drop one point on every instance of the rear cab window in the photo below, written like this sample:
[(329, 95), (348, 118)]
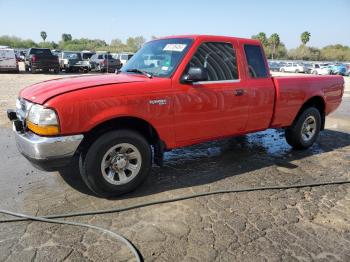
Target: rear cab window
[(256, 61), (35, 51)]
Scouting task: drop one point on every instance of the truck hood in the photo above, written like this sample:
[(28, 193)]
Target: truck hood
[(41, 92)]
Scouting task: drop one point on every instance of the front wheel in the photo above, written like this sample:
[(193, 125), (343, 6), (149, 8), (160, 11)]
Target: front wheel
[(305, 129), (116, 163)]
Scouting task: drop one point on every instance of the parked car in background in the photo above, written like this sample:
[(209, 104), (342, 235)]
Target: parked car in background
[(22, 55), (338, 69), (71, 61), (293, 67), (348, 69), (19, 55), (86, 55), (8, 60), (56, 52), (319, 69), (104, 62), (41, 59), (274, 66), (125, 57)]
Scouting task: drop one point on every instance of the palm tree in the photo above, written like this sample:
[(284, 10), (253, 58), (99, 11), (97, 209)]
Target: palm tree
[(43, 35), (305, 37), (66, 37), (274, 42), (262, 38)]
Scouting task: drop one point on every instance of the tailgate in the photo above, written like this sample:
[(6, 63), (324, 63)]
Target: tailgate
[(46, 59)]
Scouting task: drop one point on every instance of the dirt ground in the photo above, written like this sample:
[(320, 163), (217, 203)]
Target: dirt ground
[(309, 224)]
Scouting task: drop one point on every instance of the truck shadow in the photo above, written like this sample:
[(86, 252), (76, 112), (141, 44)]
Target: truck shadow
[(209, 162)]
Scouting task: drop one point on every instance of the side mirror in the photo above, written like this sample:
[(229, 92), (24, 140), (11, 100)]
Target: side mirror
[(195, 74)]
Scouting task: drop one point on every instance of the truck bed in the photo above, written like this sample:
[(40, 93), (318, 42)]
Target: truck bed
[(294, 91)]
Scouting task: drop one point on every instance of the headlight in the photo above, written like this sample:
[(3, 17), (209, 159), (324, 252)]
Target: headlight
[(43, 121)]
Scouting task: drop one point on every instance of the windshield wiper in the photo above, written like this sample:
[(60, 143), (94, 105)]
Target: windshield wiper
[(135, 70)]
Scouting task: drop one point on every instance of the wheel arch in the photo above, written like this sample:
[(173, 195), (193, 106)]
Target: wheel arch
[(317, 102), (122, 122)]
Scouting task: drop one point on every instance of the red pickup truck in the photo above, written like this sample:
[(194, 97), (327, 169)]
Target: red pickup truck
[(174, 92)]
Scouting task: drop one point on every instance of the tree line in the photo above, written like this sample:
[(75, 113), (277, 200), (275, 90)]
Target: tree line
[(67, 42), (273, 46), (275, 49)]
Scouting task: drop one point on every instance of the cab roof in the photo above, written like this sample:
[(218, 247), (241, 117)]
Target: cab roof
[(218, 37)]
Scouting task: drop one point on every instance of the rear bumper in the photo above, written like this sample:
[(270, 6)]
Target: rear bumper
[(47, 153), (77, 67)]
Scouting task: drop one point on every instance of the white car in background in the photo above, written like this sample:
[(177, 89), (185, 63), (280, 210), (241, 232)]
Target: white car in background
[(8, 61), (321, 69), (293, 68), (123, 57)]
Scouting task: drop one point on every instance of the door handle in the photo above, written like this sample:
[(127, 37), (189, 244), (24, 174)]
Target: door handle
[(239, 92)]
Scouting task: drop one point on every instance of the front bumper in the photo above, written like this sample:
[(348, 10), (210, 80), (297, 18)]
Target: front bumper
[(47, 153)]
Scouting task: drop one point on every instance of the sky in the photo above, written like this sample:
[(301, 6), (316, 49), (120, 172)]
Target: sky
[(328, 21)]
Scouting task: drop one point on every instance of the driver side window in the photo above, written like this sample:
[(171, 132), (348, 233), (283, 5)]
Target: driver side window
[(219, 59)]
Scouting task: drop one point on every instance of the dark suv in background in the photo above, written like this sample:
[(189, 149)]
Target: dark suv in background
[(41, 59)]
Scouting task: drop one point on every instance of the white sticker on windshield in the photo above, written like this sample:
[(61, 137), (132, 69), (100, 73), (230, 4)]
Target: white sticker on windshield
[(175, 47), (165, 68)]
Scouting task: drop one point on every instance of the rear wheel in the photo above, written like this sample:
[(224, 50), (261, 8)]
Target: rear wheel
[(296, 70), (116, 163), (305, 129), (315, 72)]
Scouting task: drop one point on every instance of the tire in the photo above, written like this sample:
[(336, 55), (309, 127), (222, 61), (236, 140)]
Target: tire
[(282, 70), (315, 72), (297, 71), (104, 150), (297, 135)]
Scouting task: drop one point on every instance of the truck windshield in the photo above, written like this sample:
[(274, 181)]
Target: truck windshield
[(159, 57)]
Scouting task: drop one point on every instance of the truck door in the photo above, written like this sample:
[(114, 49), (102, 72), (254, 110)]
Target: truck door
[(261, 88), (216, 107)]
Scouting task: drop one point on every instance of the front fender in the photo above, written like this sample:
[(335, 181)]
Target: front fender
[(81, 113)]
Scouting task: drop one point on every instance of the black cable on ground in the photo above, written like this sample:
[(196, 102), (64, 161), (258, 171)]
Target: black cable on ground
[(163, 201), (52, 218), (119, 237)]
